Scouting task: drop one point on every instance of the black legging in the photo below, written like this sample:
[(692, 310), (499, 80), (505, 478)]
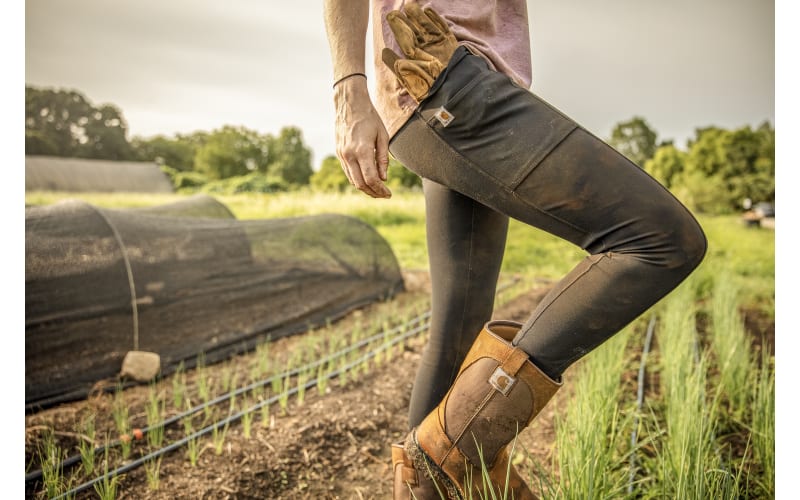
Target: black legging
[(508, 153)]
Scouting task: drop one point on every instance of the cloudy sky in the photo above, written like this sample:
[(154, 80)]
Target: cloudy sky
[(185, 65)]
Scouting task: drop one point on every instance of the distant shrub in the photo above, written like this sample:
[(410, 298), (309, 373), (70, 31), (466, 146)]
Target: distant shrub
[(251, 183)]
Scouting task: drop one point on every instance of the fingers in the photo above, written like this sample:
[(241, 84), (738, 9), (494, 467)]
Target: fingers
[(382, 155), (366, 165), (365, 175), (361, 139)]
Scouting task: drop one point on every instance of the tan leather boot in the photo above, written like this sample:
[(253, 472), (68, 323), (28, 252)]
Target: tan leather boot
[(409, 483), (496, 394)]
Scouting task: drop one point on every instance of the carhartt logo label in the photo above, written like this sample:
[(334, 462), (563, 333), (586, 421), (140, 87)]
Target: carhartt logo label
[(444, 116), (502, 381)]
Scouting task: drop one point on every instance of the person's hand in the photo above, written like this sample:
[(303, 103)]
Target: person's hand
[(362, 143)]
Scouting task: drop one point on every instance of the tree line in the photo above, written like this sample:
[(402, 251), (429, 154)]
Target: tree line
[(718, 169)]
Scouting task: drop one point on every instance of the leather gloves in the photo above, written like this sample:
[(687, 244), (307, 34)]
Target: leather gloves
[(427, 43)]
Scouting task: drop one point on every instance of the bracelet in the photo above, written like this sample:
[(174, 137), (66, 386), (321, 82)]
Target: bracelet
[(337, 82)]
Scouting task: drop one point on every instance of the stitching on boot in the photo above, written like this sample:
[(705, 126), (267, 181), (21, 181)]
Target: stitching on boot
[(425, 465), (486, 399)]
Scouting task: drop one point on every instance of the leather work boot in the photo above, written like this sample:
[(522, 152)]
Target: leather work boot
[(410, 484), (496, 394)]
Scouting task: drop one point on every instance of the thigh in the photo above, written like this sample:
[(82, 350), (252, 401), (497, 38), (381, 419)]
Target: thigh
[(510, 150)]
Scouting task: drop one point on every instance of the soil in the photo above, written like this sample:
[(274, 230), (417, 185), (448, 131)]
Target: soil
[(333, 446)]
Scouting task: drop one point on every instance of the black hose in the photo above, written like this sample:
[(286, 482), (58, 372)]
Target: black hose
[(640, 398), (74, 459), (233, 418)]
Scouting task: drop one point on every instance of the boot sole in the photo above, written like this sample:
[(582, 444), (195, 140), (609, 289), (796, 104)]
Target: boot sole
[(425, 465)]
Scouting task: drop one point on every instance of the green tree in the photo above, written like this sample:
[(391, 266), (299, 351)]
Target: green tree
[(704, 155), (289, 158), (65, 123), (232, 151), (634, 139), (666, 164), (330, 176), (723, 167), (177, 152)]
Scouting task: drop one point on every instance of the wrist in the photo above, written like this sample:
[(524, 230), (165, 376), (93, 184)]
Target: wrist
[(356, 74), (352, 89)]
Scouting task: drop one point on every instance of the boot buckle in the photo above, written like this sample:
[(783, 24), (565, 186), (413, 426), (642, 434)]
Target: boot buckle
[(502, 381)]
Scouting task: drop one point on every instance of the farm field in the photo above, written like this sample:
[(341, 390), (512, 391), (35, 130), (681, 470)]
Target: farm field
[(680, 404)]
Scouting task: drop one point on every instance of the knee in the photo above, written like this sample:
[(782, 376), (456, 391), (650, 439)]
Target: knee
[(691, 245)]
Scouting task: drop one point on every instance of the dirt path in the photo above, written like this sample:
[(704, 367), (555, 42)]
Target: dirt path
[(334, 446)]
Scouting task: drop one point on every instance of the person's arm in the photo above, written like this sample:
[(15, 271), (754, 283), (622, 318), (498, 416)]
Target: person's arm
[(362, 143)]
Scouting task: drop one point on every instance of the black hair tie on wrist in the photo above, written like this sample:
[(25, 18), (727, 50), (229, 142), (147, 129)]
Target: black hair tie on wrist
[(340, 80)]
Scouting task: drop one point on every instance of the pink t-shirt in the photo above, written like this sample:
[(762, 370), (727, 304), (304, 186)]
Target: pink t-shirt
[(496, 29)]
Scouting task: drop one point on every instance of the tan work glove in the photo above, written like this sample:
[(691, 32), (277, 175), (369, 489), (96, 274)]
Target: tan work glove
[(427, 43)]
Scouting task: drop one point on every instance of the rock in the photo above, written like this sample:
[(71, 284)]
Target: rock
[(141, 366)]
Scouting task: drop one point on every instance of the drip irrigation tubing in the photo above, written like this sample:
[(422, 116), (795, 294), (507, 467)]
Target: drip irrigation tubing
[(396, 331), (233, 418), (640, 398), (74, 459)]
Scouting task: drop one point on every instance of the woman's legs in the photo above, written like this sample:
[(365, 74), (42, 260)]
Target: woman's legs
[(509, 150), (466, 241)]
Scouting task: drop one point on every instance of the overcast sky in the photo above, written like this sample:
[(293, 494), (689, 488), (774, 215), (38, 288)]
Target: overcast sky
[(185, 65)]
